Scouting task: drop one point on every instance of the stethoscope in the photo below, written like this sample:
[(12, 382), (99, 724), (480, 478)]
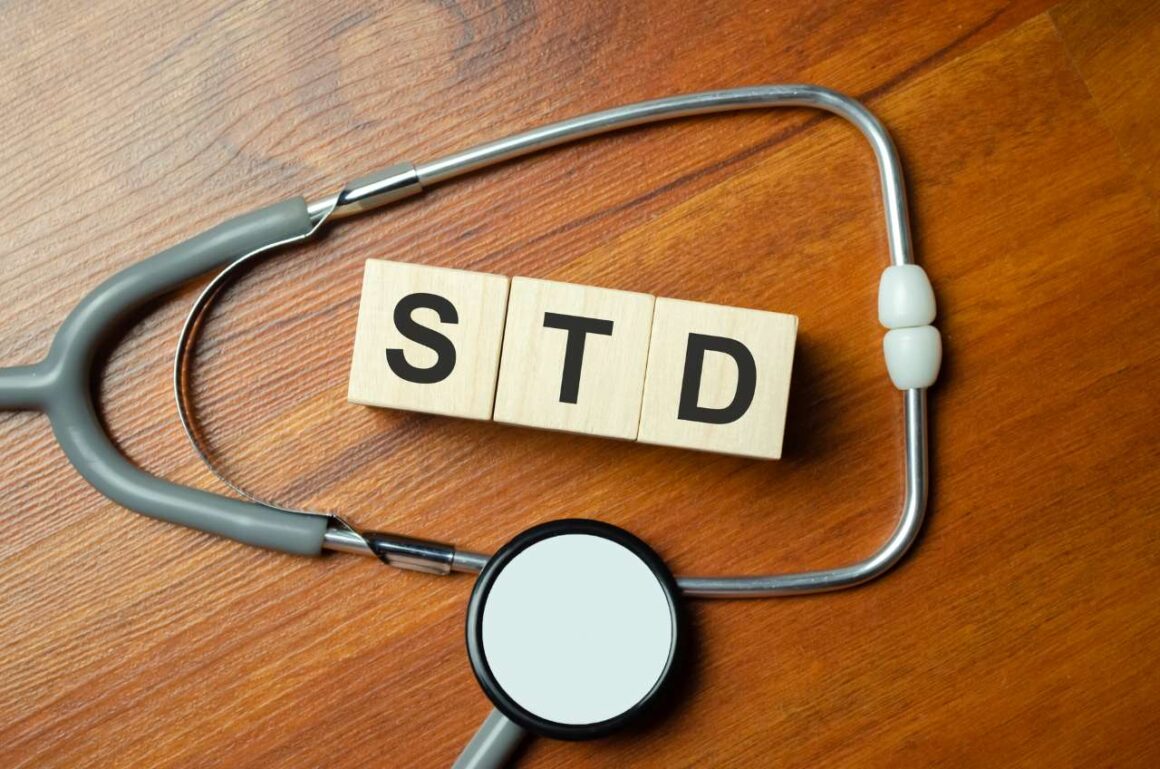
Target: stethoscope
[(574, 626)]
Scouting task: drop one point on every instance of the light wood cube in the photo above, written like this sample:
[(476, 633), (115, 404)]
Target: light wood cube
[(428, 339), (718, 378), (574, 358)]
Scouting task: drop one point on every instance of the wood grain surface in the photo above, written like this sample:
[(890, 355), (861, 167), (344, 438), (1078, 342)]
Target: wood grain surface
[(1023, 629)]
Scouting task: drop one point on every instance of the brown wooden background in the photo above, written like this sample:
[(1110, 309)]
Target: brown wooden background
[(1023, 630)]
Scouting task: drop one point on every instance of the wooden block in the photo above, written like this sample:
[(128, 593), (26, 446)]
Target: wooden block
[(574, 358), (428, 339), (718, 378)]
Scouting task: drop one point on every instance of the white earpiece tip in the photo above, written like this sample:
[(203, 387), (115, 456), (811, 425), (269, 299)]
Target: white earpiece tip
[(905, 297), (913, 356)]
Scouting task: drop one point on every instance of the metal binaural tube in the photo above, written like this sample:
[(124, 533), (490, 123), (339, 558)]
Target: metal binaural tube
[(367, 193), (688, 105), (825, 580), (900, 248)]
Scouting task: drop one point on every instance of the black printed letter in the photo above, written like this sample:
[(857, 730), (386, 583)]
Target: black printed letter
[(578, 329), (689, 411), (442, 346)]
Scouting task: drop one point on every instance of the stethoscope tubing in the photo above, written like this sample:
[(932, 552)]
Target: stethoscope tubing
[(61, 385)]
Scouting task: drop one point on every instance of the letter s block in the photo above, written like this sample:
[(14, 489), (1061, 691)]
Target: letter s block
[(428, 339), (718, 378), (574, 358)]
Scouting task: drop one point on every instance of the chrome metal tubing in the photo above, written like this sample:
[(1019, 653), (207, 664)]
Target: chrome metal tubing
[(824, 580), (367, 193), (405, 552), (688, 105), (410, 553), (345, 541), (399, 181), (468, 561)]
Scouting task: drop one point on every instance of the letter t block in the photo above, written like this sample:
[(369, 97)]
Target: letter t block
[(574, 358), (718, 378)]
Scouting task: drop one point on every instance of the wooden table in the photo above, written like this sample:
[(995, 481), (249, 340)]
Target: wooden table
[(1023, 629)]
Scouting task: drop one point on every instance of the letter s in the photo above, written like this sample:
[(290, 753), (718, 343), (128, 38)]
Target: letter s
[(408, 327)]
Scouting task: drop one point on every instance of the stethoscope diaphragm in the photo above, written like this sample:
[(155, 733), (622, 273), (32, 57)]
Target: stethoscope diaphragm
[(573, 628)]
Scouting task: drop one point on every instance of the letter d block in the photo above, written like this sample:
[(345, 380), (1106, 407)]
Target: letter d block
[(428, 339), (718, 378), (574, 358)]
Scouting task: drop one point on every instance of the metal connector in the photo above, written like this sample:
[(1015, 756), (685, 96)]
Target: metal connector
[(368, 192), (410, 553), (407, 553)]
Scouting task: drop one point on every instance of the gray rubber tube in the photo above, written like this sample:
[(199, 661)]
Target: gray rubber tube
[(493, 744), (62, 386)]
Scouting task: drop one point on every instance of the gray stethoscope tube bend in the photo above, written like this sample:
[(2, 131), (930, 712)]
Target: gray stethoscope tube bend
[(62, 384)]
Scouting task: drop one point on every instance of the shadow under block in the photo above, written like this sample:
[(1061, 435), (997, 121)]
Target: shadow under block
[(718, 378), (428, 339), (574, 358)]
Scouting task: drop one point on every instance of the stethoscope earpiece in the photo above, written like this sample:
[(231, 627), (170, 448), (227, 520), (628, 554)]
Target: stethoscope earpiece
[(573, 628)]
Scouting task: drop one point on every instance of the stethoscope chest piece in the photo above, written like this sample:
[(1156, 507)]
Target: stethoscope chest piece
[(573, 629)]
